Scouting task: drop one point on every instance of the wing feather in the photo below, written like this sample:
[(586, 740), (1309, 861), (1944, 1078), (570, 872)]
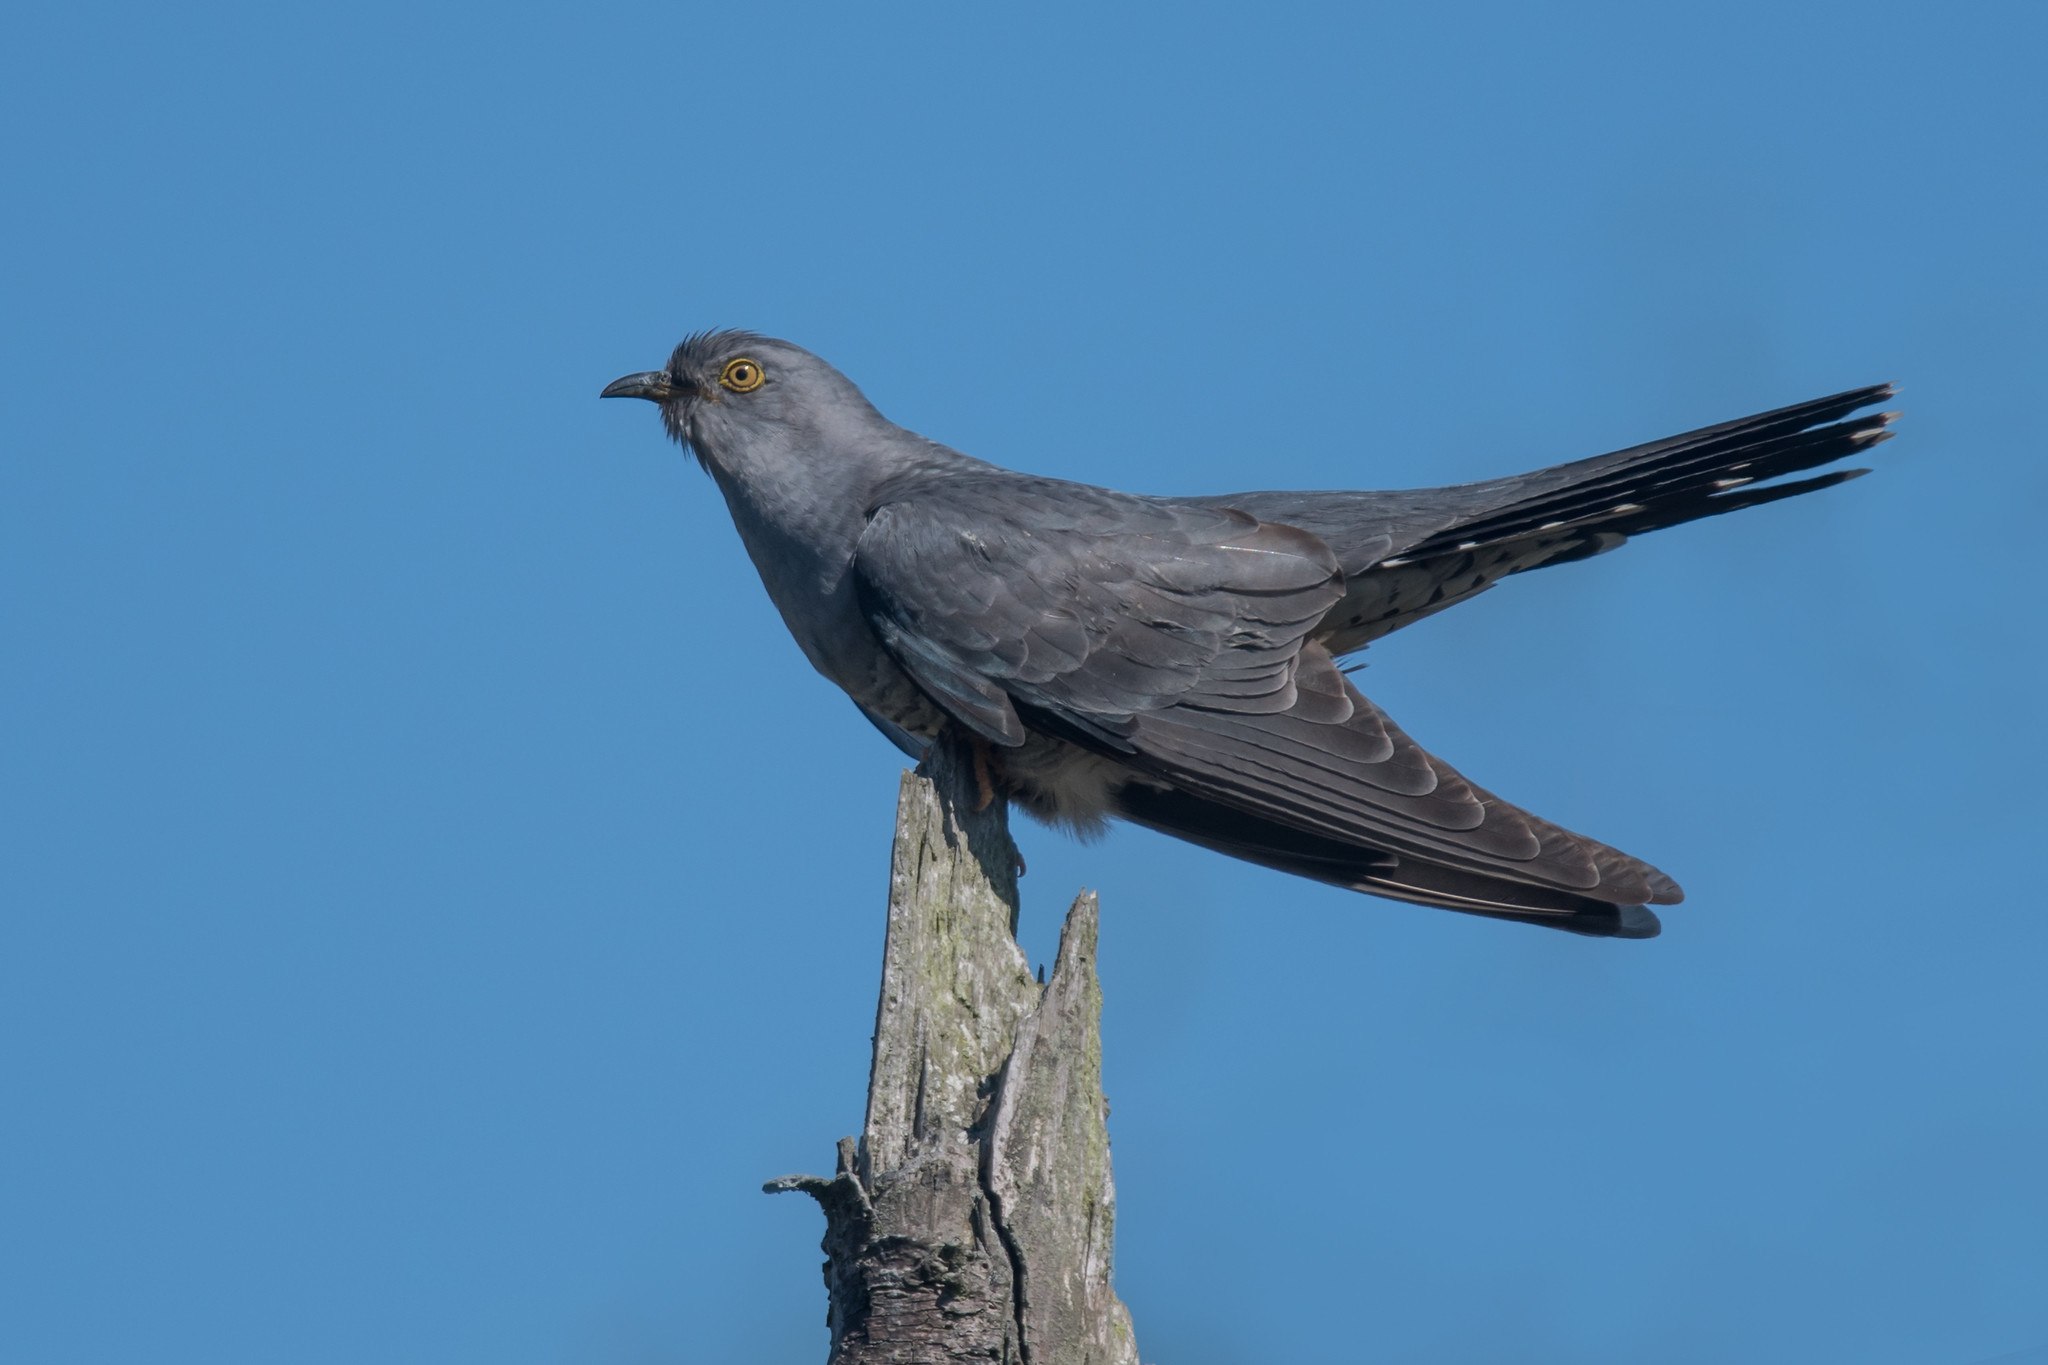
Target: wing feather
[(1013, 588)]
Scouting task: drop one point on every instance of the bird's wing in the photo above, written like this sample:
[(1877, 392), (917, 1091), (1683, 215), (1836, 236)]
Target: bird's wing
[(1363, 784), (1177, 640), (1088, 605)]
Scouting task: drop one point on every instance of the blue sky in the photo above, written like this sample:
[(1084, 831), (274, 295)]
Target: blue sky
[(434, 893)]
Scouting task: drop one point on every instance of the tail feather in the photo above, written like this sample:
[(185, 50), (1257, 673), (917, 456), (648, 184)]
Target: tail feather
[(1683, 478), (1485, 532)]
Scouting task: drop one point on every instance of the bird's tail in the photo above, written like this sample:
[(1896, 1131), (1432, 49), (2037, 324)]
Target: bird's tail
[(1480, 533), (1703, 473)]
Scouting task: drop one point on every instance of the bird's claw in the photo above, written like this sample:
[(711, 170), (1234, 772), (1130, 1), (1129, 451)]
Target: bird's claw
[(984, 777)]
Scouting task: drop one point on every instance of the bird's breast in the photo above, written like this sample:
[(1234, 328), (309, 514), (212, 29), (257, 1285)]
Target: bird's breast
[(809, 578)]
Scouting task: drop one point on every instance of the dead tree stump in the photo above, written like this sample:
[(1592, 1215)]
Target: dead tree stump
[(973, 1219)]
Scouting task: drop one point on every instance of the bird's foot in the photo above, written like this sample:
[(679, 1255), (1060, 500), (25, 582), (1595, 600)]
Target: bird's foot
[(984, 774)]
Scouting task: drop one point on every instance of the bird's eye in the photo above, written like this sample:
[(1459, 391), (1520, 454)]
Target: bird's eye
[(742, 375)]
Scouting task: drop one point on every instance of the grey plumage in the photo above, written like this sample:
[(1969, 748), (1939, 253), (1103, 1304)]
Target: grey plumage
[(1172, 661)]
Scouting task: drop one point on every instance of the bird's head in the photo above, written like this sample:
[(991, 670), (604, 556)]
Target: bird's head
[(731, 397)]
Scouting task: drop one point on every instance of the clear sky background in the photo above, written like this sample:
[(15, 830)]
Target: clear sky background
[(435, 893)]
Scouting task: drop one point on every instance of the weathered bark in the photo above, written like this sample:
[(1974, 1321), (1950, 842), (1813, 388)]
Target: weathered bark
[(973, 1220)]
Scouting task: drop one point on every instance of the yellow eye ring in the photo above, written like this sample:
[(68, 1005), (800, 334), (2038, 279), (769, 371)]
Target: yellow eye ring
[(742, 375)]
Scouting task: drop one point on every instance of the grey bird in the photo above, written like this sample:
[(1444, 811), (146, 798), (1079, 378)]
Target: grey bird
[(1172, 661)]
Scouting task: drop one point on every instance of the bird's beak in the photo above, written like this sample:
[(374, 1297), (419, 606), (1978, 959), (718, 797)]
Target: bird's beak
[(653, 385)]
